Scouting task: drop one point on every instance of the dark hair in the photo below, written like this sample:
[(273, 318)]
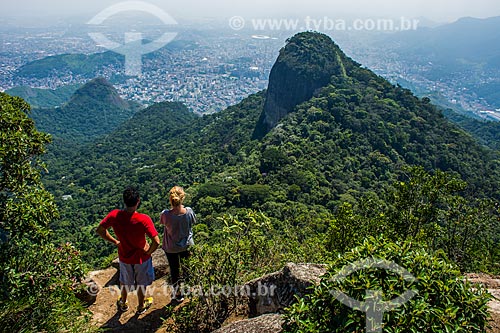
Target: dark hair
[(130, 196)]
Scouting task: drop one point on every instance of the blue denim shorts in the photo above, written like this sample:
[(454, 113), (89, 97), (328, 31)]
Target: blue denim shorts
[(138, 274)]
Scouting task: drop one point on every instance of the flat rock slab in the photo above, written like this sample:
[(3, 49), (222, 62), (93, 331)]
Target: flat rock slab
[(269, 323)]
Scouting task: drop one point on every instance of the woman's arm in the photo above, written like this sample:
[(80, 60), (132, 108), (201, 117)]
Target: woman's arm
[(163, 218)]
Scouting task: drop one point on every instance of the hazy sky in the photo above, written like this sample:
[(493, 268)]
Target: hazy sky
[(437, 10)]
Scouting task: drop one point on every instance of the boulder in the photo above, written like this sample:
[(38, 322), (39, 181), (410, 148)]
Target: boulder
[(269, 323), (87, 291), (276, 291), (160, 264)]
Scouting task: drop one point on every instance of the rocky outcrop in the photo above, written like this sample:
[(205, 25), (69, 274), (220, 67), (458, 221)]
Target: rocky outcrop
[(270, 323), (264, 308), (304, 65), (88, 291), (274, 292), (270, 294), (492, 283)]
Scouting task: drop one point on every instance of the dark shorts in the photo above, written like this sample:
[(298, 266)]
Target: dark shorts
[(138, 274)]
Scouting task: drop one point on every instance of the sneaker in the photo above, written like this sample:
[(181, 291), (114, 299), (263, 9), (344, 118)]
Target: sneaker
[(147, 304), (179, 299), (122, 306)]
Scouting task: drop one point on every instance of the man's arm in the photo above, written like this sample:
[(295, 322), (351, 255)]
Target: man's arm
[(155, 242), (103, 232)]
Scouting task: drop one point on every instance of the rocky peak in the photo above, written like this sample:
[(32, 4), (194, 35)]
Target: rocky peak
[(304, 65)]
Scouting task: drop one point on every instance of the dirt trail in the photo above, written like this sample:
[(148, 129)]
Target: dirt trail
[(105, 314)]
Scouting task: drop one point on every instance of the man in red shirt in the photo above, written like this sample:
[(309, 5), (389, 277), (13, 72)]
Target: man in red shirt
[(134, 252)]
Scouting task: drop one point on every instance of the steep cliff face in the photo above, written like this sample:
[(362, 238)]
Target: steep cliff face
[(304, 65)]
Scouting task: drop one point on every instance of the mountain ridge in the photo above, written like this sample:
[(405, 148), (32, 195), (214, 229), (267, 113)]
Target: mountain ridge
[(44, 98)]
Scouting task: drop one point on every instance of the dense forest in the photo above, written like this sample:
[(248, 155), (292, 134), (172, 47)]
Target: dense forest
[(352, 142), (359, 159)]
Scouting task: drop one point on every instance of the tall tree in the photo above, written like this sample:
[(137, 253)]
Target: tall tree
[(37, 278)]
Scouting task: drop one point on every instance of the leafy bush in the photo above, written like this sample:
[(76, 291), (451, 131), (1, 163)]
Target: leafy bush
[(239, 251), (37, 278), (429, 208), (444, 301), (39, 284)]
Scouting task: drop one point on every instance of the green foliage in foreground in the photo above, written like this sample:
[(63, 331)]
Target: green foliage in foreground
[(37, 278), (422, 223), (242, 248), (443, 303), (239, 250)]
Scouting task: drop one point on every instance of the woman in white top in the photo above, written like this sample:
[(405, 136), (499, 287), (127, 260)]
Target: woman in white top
[(178, 236)]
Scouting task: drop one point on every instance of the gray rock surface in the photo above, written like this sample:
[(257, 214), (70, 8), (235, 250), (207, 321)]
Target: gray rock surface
[(88, 291), (273, 292), (269, 323)]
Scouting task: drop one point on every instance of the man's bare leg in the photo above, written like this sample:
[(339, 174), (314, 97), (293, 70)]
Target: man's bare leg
[(141, 291), (124, 292)]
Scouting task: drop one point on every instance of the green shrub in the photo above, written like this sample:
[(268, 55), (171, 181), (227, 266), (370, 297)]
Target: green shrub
[(39, 282), (444, 302), (239, 251), (38, 279)]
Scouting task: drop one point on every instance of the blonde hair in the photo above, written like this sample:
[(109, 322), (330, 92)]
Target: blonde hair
[(177, 196)]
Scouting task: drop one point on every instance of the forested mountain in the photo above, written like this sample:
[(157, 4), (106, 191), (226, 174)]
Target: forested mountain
[(352, 141), (296, 76), (86, 65), (93, 110), (44, 98)]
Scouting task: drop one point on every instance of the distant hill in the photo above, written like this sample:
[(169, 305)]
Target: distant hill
[(86, 66), (93, 110), (466, 42), (44, 98), (466, 53)]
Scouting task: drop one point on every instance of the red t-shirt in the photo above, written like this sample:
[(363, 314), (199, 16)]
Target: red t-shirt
[(131, 230)]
